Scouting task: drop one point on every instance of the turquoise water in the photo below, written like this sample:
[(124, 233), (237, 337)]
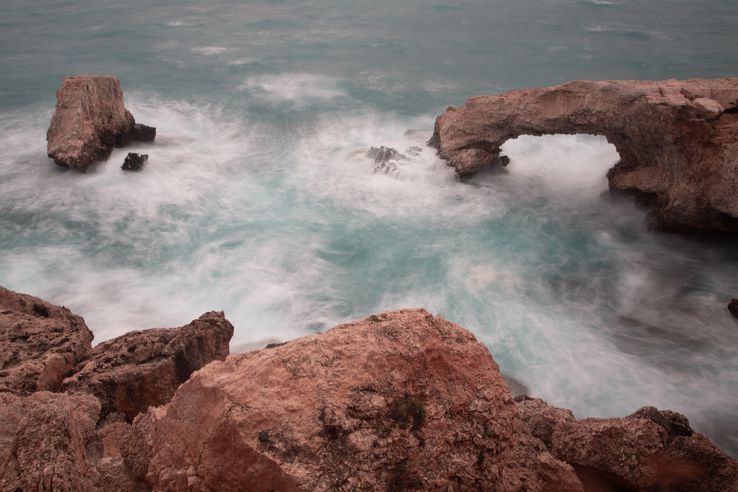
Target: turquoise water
[(258, 199)]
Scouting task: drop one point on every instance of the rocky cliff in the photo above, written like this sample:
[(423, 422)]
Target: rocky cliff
[(677, 140), (90, 119), (398, 401)]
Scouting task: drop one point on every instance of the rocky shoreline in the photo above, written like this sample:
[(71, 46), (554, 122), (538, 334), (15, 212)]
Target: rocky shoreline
[(402, 400)]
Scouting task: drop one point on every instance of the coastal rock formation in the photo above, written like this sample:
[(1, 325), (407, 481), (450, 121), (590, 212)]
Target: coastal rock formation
[(90, 119), (677, 140), (40, 343), (648, 450), (134, 162), (144, 368), (399, 401)]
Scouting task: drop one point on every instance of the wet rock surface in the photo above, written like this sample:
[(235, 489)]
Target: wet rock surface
[(677, 140), (90, 119), (385, 159), (134, 162)]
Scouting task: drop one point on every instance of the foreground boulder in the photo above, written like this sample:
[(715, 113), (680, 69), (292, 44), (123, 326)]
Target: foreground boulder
[(90, 119), (648, 450), (677, 140), (40, 343), (144, 368), (399, 401)]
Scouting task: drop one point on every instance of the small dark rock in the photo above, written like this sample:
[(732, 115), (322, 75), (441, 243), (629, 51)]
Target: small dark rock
[(502, 160), (275, 345), (143, 133), (733, 307), (384, 157), (134, 162)]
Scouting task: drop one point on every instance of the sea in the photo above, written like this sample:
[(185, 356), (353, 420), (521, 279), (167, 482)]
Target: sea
[(259, 199)]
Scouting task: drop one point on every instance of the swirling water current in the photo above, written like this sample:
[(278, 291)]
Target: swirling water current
[(258, 198)]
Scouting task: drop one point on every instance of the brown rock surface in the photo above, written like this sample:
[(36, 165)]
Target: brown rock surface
[(648, 450), (90, 119), (677, 140), (48, 441), (398, 401), (144, 368), (40, 343)]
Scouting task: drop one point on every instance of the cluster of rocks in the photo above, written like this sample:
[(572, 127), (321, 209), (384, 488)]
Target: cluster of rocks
[(677, 140), (90, 119), (65, 406), (398, 401)]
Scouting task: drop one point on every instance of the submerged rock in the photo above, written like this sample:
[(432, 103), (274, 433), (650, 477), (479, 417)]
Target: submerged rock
[(677, 140), (134, 162), (385, 159), (733, 307), (144, 368), (399, 401), (90, 119), (40, 343)]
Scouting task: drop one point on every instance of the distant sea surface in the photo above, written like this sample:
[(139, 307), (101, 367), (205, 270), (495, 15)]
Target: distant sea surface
[(258, 198)]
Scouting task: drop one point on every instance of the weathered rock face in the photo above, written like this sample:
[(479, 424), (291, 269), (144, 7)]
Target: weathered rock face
[(677, 140), (90, 119), (399, 401), (140, 369), (40, 343), (47, 441), (648, 450)]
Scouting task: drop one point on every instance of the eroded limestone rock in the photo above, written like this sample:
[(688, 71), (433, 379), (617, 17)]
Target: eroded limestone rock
[(399, 401), (144, 368), (40, 343), (90, 119), (677, 140)]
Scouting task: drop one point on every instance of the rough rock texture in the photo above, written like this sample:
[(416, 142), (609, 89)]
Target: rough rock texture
[(47, 441), (140, 369), (90, 119), (677, 140), (134, 162), (399, 401), (40, 343), (648, 450)]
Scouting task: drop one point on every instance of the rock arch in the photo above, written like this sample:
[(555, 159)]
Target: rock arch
[(677, 140)]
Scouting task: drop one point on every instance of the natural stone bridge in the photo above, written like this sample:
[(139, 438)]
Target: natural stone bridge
[(677, 140)]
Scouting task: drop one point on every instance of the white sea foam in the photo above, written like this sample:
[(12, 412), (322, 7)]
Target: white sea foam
[(210, 50), (296, 89)]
